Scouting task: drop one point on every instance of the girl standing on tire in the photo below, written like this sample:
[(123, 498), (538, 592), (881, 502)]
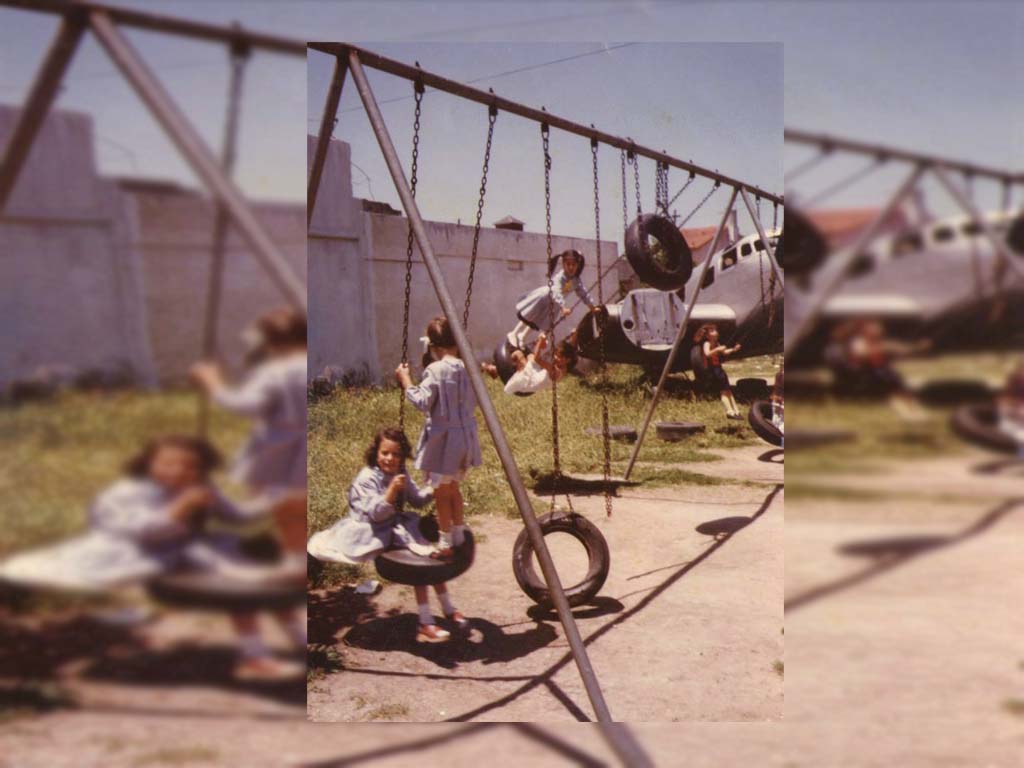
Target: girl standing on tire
[(713, 352), (377, 521), (449, 444), (535, 371), (537, 309)]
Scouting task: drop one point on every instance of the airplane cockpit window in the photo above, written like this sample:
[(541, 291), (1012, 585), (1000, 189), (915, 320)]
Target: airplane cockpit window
[(943, 234), (709, 278), (971, 228), (729, 259), (862, 264), (907, 242), (745, 250), (758, 245)]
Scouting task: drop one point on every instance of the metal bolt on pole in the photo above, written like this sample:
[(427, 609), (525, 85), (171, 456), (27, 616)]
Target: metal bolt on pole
[(480, 390), (692, 302)]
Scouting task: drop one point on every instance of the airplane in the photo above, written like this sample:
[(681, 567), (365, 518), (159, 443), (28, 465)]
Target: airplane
[(739, 293)]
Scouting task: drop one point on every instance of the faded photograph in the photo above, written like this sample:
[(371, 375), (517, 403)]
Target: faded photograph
[(546, 405)]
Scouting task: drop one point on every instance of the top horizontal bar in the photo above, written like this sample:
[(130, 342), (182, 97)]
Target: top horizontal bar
[(384, 64), (834, 143), (169, 24)]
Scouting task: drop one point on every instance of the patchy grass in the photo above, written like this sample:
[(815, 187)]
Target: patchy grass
[(779, 667), (388, 712), (1014, 706), (56, 455), (342, 424)]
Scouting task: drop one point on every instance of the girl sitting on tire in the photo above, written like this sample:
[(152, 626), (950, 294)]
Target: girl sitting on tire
[(535, 371), (377, 520), (538, 308), (712, 352)]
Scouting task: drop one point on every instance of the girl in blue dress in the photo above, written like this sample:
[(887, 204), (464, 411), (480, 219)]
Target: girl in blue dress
[(539, 308)]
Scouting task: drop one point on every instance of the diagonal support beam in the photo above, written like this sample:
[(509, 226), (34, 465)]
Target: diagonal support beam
[(501, 445), (691, 303), (199, 156), (40, 98), (761, 233), (324, 138), (841, 263)]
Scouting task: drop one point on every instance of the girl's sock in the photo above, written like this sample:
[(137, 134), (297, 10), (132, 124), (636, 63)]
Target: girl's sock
[(445, 541), (458, 535), (426, 617), (251, 646), (446, 603)]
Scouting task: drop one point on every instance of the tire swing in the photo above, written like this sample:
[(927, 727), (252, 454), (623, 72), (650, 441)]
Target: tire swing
[(571, 522), (403, 566), (278, 586), (503, 362), (801, 247), (760, 418), (978, 424)]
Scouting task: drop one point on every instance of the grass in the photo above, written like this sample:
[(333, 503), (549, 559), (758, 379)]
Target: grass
[(56, 455), (343, 423)]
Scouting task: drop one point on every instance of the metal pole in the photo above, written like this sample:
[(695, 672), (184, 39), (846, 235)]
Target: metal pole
[(37, 105), (692, 302), (841, 262), (501, 445), (625, 745), (488, 98), (972, 210), (761, 233), (324, 138), (195, 151)]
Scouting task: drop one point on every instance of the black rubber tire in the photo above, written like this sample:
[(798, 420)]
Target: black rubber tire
[(676, 251), (803, 439), (200, 590), (405, 567), (503, 362), (674, 431), (954, 392), (1015, 235), (801, 247), (598, 556), (749, 390), (760, 419), (626, 434), (314, 568), (977, 424)]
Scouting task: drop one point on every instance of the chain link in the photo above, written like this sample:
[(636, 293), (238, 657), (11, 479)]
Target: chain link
[(418, 94), (555, 453), (675, 197), (625, 202), (601, 323), (492, 115)]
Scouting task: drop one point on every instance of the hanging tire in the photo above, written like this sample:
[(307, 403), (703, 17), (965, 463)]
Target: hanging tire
[(205, 591), (801, 247), (403, 566), (598, 558), (954, 392), (503, 362), (760, 419), (978, 424), (669, 272), (749, 390)]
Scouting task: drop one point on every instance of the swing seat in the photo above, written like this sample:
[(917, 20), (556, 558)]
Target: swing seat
[(666, 267), (760, 419), (801, 248), (207, 591), (978, 424), (405, 567), (587, 534), (674, 431)]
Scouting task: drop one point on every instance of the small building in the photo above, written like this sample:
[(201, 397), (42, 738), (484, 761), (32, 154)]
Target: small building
[(510, 222)]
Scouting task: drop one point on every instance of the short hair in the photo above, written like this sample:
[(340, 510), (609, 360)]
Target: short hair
[(703, 332), (282, 327), (209, 457), (395, 435), (567, 351), (439, 332), (553, 262)]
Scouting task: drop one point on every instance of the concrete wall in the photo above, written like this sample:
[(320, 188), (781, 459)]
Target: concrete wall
[(175, 241), (357, 278), (71, 279)]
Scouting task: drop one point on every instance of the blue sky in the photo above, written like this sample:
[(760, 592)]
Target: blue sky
[(940, 77)]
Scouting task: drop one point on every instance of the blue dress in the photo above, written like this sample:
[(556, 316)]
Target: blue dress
[(536, 307), (449, 442), (373, 524)]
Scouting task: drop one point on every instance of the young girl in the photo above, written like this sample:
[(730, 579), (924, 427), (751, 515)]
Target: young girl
[(449, 444), (272, 463), (713, 352), (377, 521), (535, 372), (148, 523), (536, 309)]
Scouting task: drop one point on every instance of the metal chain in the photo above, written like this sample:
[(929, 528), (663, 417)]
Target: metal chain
[(675, 197), (418, 95), (625, 203), (492, 115), (636, 183), (607, 441), (701, 203), (555, 453)]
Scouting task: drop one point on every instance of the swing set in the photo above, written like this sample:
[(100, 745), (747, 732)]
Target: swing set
[(669, 263)]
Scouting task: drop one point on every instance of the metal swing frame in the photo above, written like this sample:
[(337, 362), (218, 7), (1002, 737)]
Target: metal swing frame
[(350, 59)]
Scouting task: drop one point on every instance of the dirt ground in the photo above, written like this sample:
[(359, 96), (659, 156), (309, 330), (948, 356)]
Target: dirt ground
[(687, 627)]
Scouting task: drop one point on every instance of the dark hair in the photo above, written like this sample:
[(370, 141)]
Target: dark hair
[(702, 333), (209, 457), (439, 333), (395, 435), (567, 351), (559, 256)]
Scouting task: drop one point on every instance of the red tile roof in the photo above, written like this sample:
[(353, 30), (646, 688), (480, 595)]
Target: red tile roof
[(838, 222)]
